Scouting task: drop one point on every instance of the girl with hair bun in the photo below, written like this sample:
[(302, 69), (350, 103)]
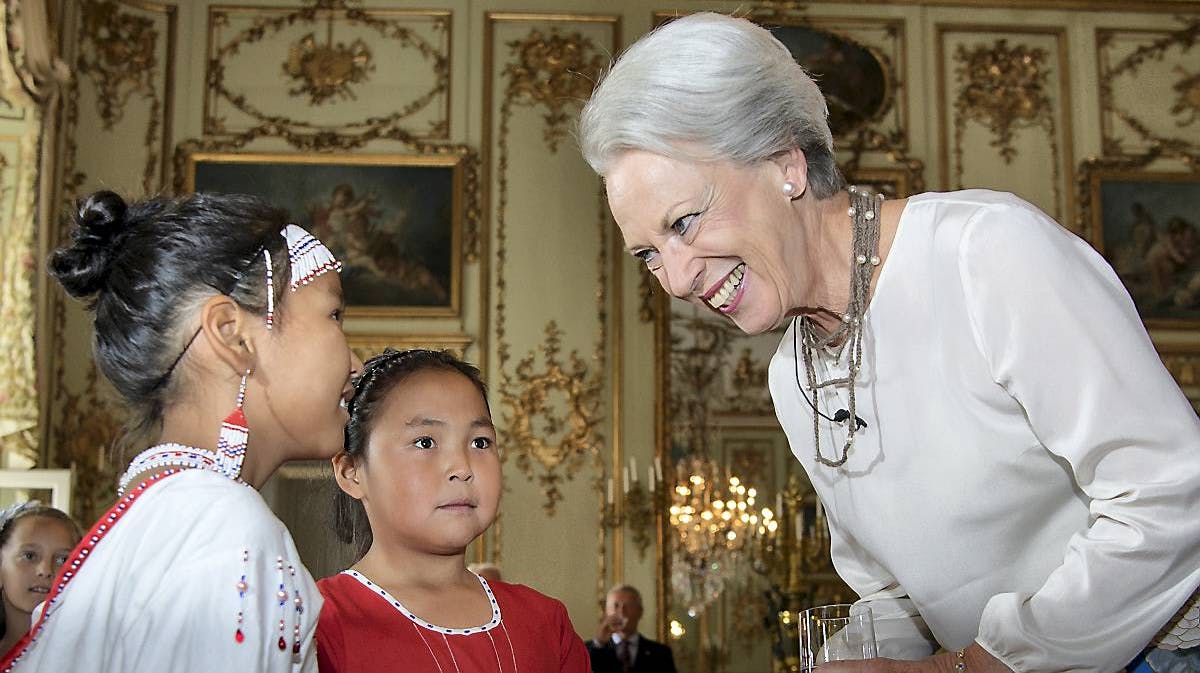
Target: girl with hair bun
[(219, 325)]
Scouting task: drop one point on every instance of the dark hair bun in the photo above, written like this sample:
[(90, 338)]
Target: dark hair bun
[(100, 226)]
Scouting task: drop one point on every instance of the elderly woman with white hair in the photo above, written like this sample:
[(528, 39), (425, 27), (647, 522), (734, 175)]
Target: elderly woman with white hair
[(1009, 472)]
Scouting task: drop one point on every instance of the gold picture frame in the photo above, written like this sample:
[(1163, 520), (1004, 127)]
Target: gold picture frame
[(1144, 224), (395, 220), (367, 345)]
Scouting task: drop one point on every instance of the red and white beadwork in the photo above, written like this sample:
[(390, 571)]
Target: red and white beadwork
[(270, 290), (169, 455), (234, 435), (242, 587), (309, 258)]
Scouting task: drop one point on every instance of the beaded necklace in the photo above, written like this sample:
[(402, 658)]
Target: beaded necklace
[(865, 206), (176, 455)]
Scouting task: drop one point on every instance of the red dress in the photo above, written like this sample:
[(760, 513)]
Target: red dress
[(363, 629)]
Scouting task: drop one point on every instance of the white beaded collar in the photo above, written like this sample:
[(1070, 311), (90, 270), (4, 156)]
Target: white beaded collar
[(380, 591)]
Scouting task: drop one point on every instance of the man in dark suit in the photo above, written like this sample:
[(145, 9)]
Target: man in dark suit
[(618, 647)]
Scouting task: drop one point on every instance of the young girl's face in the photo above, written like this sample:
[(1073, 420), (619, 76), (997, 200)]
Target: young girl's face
[(430, 479), (305, 370), (29, 560)]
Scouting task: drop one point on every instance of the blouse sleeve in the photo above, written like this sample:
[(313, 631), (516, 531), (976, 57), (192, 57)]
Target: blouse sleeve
[(900, 632), (1062, 337)]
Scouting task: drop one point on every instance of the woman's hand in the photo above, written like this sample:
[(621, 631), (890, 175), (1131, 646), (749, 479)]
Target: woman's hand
[(975, 659)]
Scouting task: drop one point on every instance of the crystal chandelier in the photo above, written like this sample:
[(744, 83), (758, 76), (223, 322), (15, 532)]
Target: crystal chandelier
[(716, 531)]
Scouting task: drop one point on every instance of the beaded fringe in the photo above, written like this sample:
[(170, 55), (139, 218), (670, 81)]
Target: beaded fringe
[(308, 256)]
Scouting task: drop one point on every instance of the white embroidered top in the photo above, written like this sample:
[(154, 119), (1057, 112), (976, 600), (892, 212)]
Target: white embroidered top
[(1029, 477), (161, 591)]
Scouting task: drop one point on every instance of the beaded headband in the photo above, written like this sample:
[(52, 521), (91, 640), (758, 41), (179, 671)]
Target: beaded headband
[(308, 256)]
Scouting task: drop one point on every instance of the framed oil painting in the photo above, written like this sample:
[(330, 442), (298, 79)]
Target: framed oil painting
[(1146, 225), (395, 221)]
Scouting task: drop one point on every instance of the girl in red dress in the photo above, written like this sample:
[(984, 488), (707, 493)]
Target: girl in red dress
[(420, 479)]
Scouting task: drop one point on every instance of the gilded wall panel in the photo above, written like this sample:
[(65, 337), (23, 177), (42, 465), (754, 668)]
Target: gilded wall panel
[(1004, 104), (1136, 66), (326, 67), (554, 292), (115, 133)]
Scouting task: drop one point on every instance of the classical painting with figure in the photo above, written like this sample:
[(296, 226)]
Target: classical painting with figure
[(392, 220), (1149, 231)]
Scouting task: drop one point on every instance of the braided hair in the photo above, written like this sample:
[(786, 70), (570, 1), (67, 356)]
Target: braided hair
[(379, 376)]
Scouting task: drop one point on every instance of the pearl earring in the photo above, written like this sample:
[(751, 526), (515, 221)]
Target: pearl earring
[(789, 189)]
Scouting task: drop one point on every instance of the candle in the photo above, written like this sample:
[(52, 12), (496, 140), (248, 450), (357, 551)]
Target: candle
[(820, 512), (658, 467), (610, 491), (633, 467), (778, 504), (625, 480), (798, 523), (650, 477)]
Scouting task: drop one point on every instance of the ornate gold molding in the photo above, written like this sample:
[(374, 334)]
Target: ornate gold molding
[(328, 142), (368, 345), (118, 56), (566, 437), (548, 74), (554, 72), (1003, 88), (1186, 89), (325, 71), (1006, 89), (1086, 187)]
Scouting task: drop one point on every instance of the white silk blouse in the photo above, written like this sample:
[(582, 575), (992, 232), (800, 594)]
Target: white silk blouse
[(1029, 476)]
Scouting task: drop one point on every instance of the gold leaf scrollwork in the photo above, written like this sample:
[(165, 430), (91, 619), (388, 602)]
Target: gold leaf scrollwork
[(562, 442), (118, 56), (557, 72), (1004, 88), (326, 71), (1188, 102), (550, 73), (1187, 89)]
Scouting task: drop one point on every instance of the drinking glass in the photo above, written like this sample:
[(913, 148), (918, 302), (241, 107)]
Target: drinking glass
[(836, 633)]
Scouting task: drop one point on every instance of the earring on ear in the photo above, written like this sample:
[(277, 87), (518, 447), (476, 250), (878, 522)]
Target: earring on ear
[(789, 190), (235, 434)]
